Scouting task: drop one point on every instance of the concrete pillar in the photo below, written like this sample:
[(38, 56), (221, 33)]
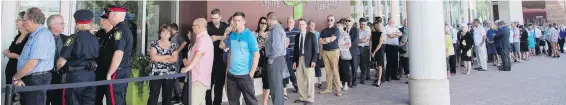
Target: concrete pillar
[(428, 84), (510, 11)]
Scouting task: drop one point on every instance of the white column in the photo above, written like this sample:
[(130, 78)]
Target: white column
[(510, 11), (395, 12), (370, 9), (428, 84), (9, 15)]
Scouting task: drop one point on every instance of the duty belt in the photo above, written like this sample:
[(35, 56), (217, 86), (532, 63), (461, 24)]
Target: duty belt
[(90, 66)]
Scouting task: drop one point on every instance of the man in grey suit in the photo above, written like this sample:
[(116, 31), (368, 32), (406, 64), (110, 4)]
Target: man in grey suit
[(502, 40), (275, 51), (354, 33)]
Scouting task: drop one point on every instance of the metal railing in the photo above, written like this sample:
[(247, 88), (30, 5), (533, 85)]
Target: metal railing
[(11, 89)]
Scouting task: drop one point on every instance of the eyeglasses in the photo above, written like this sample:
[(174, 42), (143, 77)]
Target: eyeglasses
[(263, 23)]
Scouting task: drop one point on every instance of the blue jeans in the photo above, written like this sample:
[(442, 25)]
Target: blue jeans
[(35, 97)]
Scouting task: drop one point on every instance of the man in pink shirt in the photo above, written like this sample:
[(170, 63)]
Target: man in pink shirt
[(199, 61)]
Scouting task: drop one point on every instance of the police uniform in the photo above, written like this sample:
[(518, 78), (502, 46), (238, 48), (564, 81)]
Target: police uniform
[(80, 50), (104, 59), (123, 41)]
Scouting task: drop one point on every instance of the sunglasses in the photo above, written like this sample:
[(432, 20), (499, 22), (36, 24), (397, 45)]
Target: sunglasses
[(348, 20), (263, 23), (330, 20)]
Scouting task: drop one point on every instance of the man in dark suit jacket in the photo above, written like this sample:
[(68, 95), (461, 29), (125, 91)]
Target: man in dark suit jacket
[(503, 44), (305, 55), (355, 51)]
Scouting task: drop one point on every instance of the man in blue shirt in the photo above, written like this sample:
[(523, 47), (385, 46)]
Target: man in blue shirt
[(329, 39), (242, 66), (291, 31), (562, 37), (37, 59)]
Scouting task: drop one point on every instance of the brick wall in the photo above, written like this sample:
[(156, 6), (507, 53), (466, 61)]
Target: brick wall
[(556, 11)]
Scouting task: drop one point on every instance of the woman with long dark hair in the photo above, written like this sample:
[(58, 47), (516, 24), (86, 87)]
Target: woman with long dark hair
[(163, 61), (13, 52), (377, 51)]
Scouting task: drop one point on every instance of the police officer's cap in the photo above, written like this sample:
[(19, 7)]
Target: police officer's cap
[(105, 14), (117, 8), (83, 16)]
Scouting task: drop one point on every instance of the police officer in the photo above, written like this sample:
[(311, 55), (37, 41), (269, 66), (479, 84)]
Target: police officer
[(79, 53), (123, 43), (104, 57)]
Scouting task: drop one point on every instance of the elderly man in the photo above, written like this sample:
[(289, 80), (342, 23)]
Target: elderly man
[(37, 58), (392, 50), (275, 51), (291, 32), (56, 26), (123, 43), (480, 44), (503, 43), (199, 61)]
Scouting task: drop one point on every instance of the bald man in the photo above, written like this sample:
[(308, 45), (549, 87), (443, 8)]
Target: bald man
[(120, 65), (199, 60)]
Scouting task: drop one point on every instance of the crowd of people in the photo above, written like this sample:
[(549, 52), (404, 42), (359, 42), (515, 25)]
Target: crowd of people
[(500, 43), (228, 56)]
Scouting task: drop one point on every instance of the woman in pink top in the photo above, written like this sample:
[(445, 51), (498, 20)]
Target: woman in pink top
[(199, 61)]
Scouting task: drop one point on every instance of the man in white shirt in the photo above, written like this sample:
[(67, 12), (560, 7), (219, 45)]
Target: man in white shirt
[(364, 49), (538, 36), (516, 41), (392, 50), (479, 42)]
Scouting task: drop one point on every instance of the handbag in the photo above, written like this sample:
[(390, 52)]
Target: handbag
[(345, 55)]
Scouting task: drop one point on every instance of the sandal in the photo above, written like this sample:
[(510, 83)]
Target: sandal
[(338, 93), (285, 97), (324, 92)]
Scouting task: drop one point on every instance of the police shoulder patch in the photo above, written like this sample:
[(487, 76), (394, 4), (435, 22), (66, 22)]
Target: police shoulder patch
[(69, 41), (117, 35)]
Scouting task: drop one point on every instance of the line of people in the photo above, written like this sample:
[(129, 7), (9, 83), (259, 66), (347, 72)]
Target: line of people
[(287, 55), (229, 55), (500, 44)]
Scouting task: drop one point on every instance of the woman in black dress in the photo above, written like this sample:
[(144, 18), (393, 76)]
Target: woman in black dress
[(15, 49), (466, 45), (376, 52), (524, 42)]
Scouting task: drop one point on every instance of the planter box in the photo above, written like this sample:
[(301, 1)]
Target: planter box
[(133, 94)]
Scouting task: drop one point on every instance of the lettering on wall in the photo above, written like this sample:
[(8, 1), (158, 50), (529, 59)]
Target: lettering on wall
[(326, 5), (270, 3)]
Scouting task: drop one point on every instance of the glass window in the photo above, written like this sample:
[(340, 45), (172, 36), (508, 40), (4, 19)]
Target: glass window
[(158, 13), (47, 7)]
